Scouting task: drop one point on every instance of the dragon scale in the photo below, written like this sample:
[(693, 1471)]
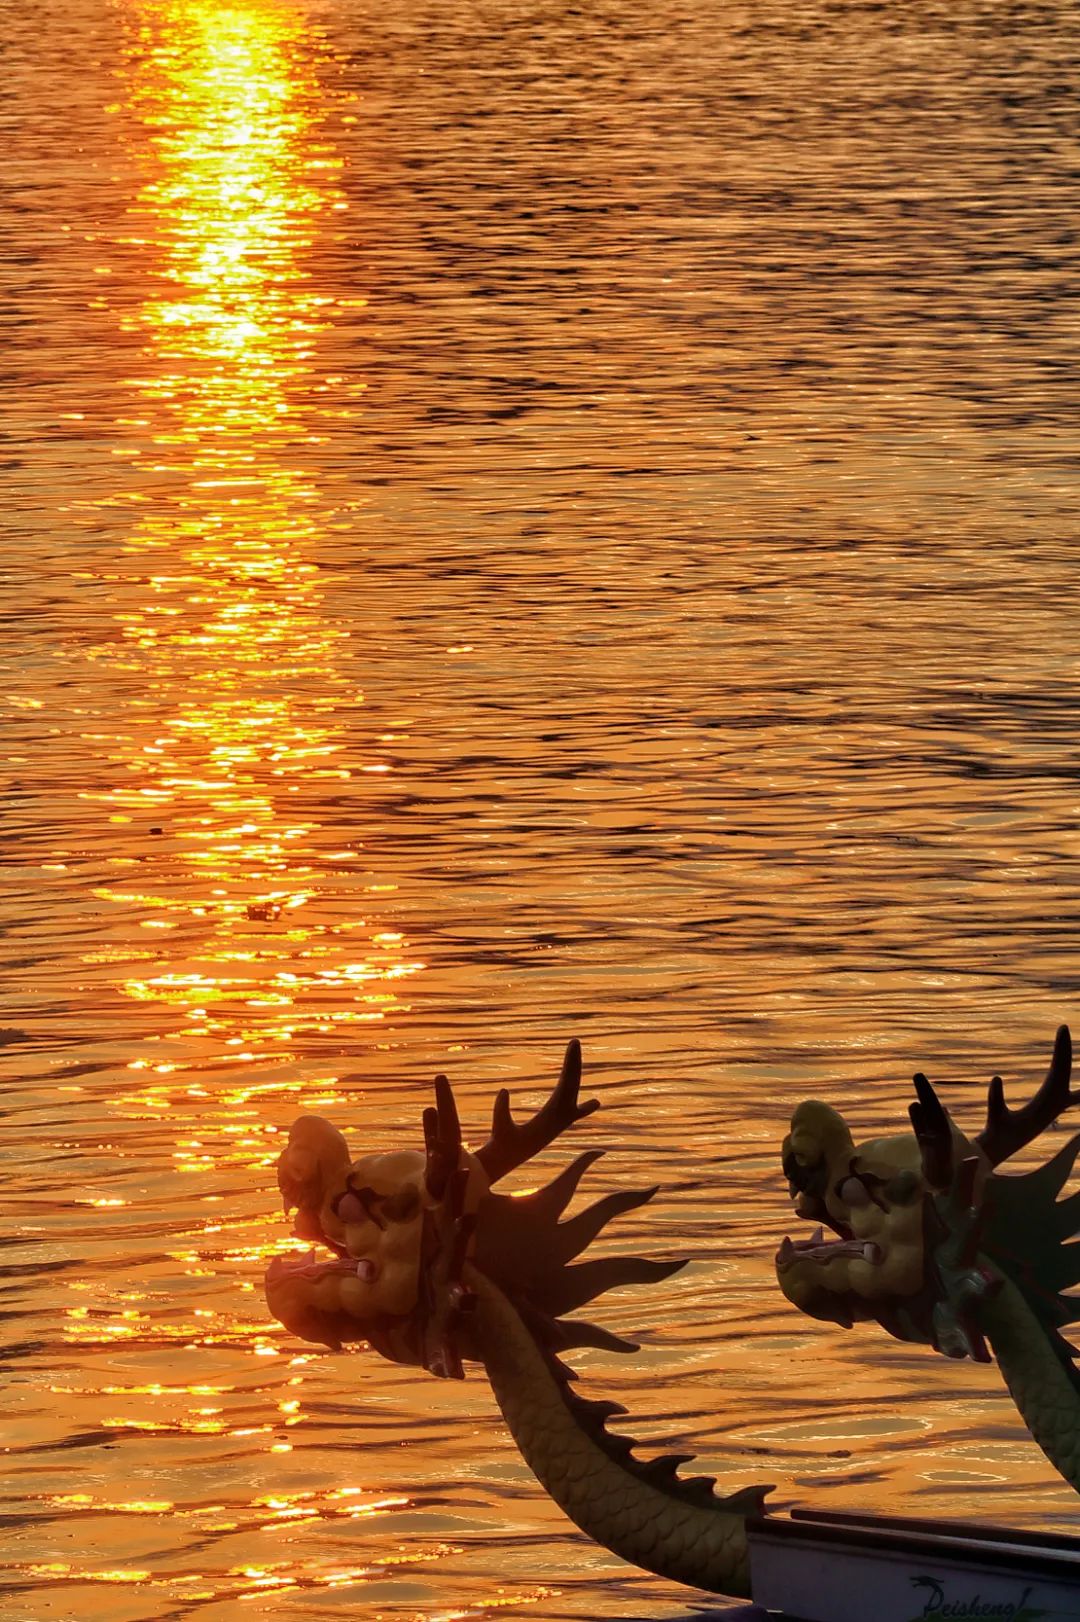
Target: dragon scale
[(1041, 1383)]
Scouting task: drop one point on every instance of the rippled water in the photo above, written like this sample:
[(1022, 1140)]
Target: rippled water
[(522, 520)]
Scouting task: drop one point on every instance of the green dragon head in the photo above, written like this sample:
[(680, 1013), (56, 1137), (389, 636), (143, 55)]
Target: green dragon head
[(922, 1224)]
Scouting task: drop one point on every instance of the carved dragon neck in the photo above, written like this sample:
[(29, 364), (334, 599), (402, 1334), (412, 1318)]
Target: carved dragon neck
[(1042, 1380), (590, 1474)]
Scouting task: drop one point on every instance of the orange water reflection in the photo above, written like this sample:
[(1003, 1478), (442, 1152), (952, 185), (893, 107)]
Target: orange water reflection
[(256, 937), (238, 768), (747, 759)]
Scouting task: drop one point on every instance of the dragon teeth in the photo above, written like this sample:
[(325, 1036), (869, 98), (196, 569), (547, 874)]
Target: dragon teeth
[(786, 1252), (818, 1235)]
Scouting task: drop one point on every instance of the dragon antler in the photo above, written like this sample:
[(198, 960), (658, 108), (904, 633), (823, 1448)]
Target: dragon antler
[(1008, 1130), (510, 1144)]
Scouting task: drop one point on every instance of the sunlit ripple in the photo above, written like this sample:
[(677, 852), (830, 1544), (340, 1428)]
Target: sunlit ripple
[(706, 552), (232, 752), (235, 775)]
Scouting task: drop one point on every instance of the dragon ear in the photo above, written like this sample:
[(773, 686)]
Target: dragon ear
[(933, 1131)]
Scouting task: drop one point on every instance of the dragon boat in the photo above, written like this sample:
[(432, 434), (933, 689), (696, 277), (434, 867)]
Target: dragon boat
[(427, 1265)]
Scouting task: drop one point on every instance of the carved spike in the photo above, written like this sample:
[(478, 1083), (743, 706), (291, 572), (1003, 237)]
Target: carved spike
[(585, 1282), (747, 1501), (557, 1335), (660, 1472), (549, 1203), (1066, 1221), (665, 1465), (576, 1332), (1047, 1180), (604, 1410), (1027, 1203), (585, 1412), (576, 1235)]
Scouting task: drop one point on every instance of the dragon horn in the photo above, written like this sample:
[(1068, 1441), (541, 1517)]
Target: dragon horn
[(1008, 1130), (442, 1139), (512, 1143)]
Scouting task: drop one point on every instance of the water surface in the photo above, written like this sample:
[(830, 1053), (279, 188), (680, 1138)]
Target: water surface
[(523, 521)]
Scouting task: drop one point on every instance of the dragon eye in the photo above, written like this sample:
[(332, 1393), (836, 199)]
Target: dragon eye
[(854, 1192)]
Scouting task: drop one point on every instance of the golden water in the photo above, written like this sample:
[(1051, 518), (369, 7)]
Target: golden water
[(522, 521)]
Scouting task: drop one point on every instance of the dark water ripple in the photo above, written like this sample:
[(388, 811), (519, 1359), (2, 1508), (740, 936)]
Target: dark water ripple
[(521, 521)]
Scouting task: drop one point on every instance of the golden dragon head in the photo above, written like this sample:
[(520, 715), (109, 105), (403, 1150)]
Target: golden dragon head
[(920, 1223), (429, 1266), (399, 1225)]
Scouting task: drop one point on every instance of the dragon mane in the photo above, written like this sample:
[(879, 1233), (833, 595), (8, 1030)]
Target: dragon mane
[(1025, 1232), (523, 1247)]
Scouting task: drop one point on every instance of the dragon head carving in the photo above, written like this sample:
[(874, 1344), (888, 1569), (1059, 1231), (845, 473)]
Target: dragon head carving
[(370, 1213), (399, 1225), (921, 1224), (430, 1267), (870, 1196)]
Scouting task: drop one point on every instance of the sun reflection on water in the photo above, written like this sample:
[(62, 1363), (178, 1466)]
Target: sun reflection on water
[(246, 934), (259, 936)]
